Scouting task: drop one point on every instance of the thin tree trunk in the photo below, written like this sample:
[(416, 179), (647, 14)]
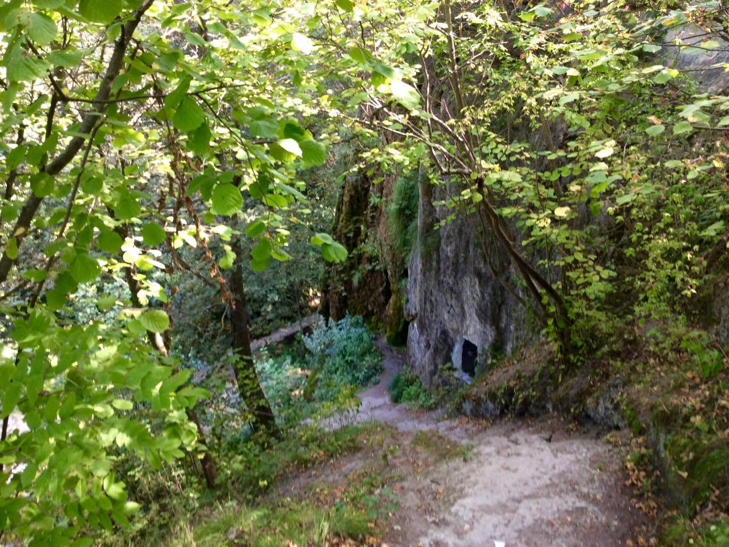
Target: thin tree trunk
[(208, 464), (116, 63), (249, 386)]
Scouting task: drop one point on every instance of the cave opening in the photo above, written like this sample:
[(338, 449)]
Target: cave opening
[(468, 358)]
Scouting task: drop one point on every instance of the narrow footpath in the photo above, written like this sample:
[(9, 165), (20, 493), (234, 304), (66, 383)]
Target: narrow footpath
[(517, 483)]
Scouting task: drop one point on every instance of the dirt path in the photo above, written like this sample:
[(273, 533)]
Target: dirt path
[(471, 484)]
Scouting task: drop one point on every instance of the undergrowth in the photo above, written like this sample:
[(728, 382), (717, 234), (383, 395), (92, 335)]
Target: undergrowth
[(406, 387), (341, 354), (288, 522)]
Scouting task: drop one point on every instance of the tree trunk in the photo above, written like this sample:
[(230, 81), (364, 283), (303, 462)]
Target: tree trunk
[(208, 464), (249, 387)]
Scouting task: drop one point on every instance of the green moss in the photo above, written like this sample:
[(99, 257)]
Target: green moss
[(402, 213), (396, 327)]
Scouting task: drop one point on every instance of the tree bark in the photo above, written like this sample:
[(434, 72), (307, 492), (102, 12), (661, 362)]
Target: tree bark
[(249, 386)]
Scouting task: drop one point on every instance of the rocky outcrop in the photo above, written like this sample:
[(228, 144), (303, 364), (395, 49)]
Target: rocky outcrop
[(370, 282), (452, 296), (444, 293)]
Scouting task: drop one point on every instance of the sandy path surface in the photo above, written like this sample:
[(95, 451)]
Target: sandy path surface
[(521, 484)]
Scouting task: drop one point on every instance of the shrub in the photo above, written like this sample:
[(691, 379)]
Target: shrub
[(341, 354), (406, 387)]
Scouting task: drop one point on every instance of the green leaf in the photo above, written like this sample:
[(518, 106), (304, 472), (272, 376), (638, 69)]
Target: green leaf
[(260, 265), (11, 248), (67, 408), (527, 16), (10, 398), (101, 468), (84, 269), (313, 153), (334, 252), (122, 404), (28, 474), (682, 127), (229, 258), (655, 130), (302, 43), (49, 4), (405, 94), (15, 157), (358, 54), (127, 208), (55, 299), (153, 234), (188, 115), (42, 184), (198, 141), (41, 28), (570, 97), (291, 146), (227, 200), (724, 121), (110, 241), (92, 185), (262, 250), (266, 128), (321, 238), (116, 491), (24, 67), (662, 77), (255, 228), (345, 5), (106, 303), (100, 11), (155, 320)]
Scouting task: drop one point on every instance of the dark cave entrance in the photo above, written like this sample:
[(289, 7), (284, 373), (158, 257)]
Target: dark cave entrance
[(468, 358)]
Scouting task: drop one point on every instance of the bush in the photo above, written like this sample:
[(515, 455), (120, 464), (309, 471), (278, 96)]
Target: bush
[(406, 387), (341, 354)]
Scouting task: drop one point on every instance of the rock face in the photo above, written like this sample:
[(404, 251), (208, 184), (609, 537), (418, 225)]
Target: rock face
[(452, 296)]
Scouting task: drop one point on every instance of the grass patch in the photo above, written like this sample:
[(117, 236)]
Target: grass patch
[(287, 522), (684, 532), (441, 447), (311, 445)]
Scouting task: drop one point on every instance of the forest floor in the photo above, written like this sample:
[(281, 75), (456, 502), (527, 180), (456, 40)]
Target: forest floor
[(460, 482)]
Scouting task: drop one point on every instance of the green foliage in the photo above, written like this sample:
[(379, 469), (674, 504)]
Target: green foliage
[(406, 387), (342, 354), (131, 159)]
